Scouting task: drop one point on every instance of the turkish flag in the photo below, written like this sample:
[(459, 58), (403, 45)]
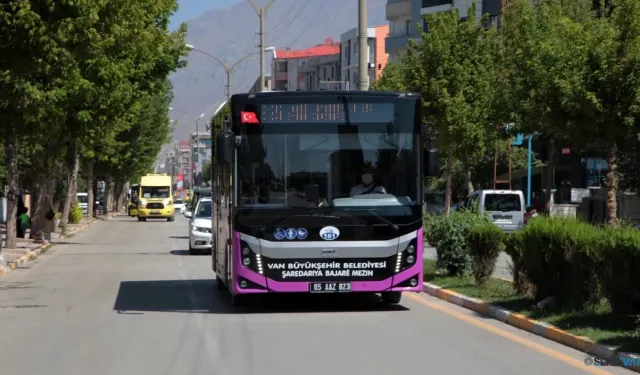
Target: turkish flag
[(249, 118)]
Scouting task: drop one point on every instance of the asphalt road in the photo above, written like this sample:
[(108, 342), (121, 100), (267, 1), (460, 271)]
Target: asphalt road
[(125, 298)]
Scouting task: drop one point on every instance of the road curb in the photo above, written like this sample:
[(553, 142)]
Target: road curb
[(534, 326), (35, 253)]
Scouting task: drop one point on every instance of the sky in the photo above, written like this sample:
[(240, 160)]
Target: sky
[(190, 9)]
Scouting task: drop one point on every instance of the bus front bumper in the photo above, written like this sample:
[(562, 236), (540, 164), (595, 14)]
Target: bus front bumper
[(159, 213)]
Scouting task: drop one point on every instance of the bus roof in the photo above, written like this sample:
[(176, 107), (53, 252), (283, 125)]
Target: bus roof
[(156, 180), (294, 94)]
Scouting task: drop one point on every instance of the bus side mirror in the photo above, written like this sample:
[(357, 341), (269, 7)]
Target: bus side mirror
[(431, 163), (224, 148)]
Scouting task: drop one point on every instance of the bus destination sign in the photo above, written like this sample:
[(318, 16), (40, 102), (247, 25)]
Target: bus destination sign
[(327, 112)]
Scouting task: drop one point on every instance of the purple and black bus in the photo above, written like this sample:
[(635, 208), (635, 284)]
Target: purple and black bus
[(320, 192)]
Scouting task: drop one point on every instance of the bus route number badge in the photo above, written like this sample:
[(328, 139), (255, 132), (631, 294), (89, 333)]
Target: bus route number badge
[(329, 233)]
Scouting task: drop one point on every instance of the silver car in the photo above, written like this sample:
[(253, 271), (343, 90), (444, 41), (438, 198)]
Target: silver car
[(200, 227)]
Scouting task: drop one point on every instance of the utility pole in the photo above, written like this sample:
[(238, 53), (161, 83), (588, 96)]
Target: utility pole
[(262, 14), (198, 145), (363, 37)]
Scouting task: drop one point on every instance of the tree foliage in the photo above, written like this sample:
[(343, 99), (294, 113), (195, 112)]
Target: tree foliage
[(83, 81)]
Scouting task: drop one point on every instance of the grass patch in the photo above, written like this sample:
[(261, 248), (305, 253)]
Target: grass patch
[(596, 322)]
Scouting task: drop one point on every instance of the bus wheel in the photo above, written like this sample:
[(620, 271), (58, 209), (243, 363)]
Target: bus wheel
[(391, 298)]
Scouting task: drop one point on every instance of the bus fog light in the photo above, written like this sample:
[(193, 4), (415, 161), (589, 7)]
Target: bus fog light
[(411, 259), (413, 282), (246, 251), (411, 249), (243, 284), (246, 261)]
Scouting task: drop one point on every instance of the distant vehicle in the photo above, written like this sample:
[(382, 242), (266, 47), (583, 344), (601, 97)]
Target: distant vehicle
[(198, 193), (506, 208), (179, 205), (321, 192), (133, 200), (200, 226), (83, 201), (156, 198)]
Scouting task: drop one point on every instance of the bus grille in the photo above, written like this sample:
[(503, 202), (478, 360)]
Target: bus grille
[(155, 205)]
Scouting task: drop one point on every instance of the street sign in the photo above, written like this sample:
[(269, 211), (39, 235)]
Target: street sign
[(518, 140)]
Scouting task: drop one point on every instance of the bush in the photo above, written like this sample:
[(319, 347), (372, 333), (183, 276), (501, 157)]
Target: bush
[(448, 234), (619, 269), (76, 214), (485, 244), (513, 247), (560, 257)]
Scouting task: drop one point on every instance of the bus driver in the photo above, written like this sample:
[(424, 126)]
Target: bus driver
[(368, 184)]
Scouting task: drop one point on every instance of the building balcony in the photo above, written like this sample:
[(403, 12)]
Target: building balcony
[(398, 9), (396, 43)]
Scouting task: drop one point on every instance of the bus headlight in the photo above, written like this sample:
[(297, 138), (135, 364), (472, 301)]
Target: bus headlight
[(407, 257), (251, 259)]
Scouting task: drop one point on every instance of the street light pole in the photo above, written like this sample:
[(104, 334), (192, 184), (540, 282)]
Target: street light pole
[(262, 14), (363, 38), (197, 144), (229, 69)]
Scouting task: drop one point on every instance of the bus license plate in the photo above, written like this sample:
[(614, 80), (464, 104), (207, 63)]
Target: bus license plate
[(329, 287), (155, 212)]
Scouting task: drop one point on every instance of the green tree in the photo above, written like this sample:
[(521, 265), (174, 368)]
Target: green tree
[(613, 78), (543, 60), (629, 164), (452, 66)]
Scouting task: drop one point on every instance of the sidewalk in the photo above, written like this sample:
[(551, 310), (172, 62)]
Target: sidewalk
[(28, 249), (502, 265)]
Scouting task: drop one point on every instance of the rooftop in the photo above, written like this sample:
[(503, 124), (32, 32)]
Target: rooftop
[(329, 47)]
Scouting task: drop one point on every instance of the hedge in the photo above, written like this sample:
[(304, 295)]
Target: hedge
[(571, 260)]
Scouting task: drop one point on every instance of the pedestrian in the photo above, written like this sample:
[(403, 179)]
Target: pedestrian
[(24, 221)]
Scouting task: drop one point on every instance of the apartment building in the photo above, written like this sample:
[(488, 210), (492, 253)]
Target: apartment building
[(179, 162), (349, 55), (405, 16), (290, 71)]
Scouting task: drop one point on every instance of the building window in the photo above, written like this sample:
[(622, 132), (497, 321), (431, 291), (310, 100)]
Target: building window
[(435, 3), (407, 27), (333, 72)]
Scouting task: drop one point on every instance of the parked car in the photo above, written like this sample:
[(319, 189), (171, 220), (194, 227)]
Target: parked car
[(200, 226), (506, 208)]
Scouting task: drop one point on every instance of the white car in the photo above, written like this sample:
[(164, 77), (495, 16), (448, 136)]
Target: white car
[(200, 226), (179, 206)]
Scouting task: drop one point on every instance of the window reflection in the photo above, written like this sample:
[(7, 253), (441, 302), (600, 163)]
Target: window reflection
[(322, 163)]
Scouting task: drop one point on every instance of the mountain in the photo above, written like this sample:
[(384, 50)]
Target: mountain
[(189, 9), (231, 33)]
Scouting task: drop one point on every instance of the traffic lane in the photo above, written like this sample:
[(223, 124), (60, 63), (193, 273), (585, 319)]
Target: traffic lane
[(134, 308)]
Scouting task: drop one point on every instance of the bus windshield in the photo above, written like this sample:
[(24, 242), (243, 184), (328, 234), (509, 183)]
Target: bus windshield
[(156, 192), (368, 162)]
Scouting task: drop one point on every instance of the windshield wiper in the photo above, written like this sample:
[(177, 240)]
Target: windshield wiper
[(382, 219)]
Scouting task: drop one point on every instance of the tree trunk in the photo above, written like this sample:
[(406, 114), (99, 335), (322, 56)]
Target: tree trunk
[(90, 197), (467, 172), (447, 191), (117, 194), (548, 183), (72, 176), (107, 195), (11, 160), (46, 188), (612, 184)]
